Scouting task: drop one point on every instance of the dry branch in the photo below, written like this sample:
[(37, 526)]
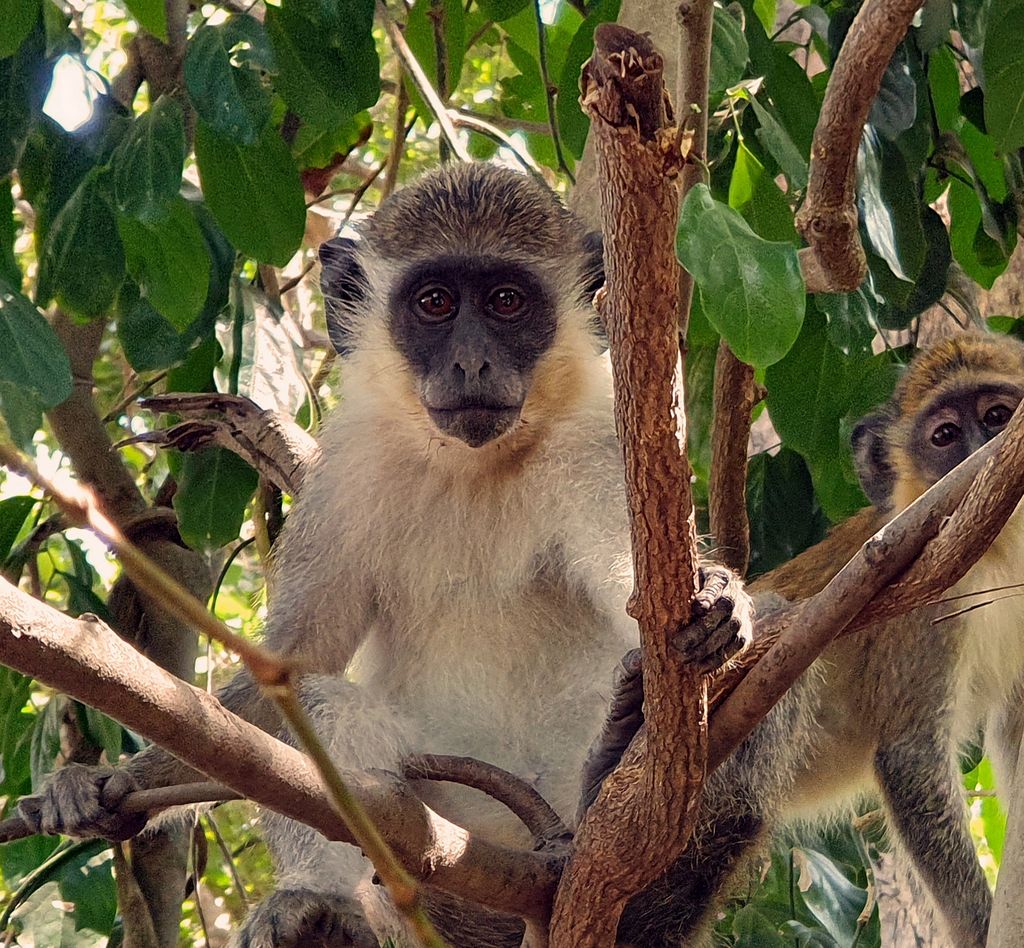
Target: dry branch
[(945, 531), (272, 443), (634, 830), (834, 260), (734, 400), (86, 660)]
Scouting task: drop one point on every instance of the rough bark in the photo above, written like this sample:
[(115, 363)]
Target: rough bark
[(734, 400), (834, 260), (643, 816)]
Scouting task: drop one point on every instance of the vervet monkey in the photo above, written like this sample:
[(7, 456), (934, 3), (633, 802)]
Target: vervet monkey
[(888, 708), (457, 565)]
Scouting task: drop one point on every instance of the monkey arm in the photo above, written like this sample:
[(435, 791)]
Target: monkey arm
[(84, 801)]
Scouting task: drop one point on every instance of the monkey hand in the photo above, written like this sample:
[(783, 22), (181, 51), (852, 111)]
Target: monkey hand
[(83, 801), (721, 622), (300, 918)]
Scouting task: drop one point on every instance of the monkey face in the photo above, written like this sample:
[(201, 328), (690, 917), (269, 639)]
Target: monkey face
[(958, 422), (472, 330)]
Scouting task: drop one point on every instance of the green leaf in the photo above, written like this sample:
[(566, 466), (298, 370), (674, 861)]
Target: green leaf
[(851, 319), (214, 487), (30, 352), (23, 412), (102, 731), (751, 289), (169, 261), (255, 193), (965, 224), (808, 392), (18, 18), (775, 139), (324, 83), (499, 10), (9, 269), (1003, 60), (729, 52), (149, 341), (151, 15), (82, 263), (759, 199), (833, 899), (890, 211), (936, 22), (785, 517), (149, 160), (14, 513), (24, 79), (225, 88)]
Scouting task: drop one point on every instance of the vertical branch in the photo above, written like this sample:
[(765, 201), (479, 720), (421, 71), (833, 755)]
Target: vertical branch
[(692, 77), (727, 492), (644, 814), (550, 90), (437, 19)]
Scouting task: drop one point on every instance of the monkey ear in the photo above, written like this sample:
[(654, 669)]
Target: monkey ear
[(343, 285), (871, 458)]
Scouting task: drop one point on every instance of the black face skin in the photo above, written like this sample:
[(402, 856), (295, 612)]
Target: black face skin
[(472, 329), (959, 423)]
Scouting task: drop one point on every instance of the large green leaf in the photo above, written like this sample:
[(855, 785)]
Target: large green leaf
[(889, 207), (785, 518), (18, 18), (421, 36), (82, 263), (776, 140), (214, 487), (254, 192), (148, 161), (499, 10), (169, 261), (14, 512), (226, 88), (808, 392), (151, 14), (149, 341), (24, 79), (754, 193), (325, 78), (751, 289), (1004, 73), (30, 352), (729, 52)]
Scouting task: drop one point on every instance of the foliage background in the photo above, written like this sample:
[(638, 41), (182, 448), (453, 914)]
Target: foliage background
[(182, 222)]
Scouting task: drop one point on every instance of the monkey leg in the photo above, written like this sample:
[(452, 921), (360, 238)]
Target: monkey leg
[(921, 787)]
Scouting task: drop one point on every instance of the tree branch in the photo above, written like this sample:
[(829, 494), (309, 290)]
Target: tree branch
[(734, 400), (946, 531), (834, 260), (273, 444), (85, 659), (633, 831)]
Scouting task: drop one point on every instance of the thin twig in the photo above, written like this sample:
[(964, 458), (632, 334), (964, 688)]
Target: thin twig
[(422, 83), (274, 674), (550, 91)]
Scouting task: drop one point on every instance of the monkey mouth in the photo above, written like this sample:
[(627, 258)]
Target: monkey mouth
[(475, 425)]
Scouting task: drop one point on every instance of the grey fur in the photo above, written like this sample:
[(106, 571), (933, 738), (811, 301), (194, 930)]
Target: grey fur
[(454, 600)]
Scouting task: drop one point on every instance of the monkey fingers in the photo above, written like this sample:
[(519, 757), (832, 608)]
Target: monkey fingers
[(721, 623), (83, 801)]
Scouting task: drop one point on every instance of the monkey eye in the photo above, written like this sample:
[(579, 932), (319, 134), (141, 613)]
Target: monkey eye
[(997, 416), (436, 305), (506, 302), (945, 435)]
